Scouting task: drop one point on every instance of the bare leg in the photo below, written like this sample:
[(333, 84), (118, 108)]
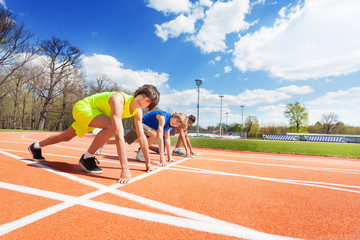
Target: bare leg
[(65, 136), (101, 121), (179, 142)]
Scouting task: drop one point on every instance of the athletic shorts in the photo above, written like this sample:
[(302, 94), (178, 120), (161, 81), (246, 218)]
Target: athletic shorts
[(83, 115), (172, 131), (131, 136)]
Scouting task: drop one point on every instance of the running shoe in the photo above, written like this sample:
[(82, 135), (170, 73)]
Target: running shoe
[(89, 165), (178, 152), (140, 156), (36, 153)]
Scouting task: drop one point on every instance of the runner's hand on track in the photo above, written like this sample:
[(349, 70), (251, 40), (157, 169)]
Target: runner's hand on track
[(162, 163), (125, 176), (149, 167)]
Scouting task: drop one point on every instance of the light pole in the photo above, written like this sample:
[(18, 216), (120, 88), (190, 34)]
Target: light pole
[(226, 114), (242, 119), (221, 97), (198, 84)]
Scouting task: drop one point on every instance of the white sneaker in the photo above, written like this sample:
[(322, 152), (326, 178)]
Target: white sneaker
[(98, 152), (140, 156)]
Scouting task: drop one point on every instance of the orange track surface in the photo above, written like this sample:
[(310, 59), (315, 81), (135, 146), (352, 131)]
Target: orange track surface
[(217, 195)]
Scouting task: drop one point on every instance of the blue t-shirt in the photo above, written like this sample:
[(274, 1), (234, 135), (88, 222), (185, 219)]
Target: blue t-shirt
[(151, 120)]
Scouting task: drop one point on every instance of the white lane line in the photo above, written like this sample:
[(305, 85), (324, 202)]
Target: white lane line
[(177, 211), (69, 202), (302, 181), (148, 202), (215, 228), (296, 158), (350, 171), (290, 181)]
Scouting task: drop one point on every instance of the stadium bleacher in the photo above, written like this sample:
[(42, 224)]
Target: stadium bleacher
[(306, 137), (281, 137), (324, 139)]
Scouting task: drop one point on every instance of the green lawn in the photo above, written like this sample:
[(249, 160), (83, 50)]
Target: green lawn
[(343, 150)]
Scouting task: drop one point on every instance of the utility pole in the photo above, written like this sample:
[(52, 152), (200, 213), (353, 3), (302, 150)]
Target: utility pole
[(242, 119), (198, 84), (221, 97)]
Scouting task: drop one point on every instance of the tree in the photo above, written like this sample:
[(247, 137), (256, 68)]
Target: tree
[(70, 85), (330, 122), (297, 115), (251, 124), (15, 47), (61, 60), (102, 83)]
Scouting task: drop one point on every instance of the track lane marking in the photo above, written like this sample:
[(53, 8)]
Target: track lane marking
[(215, 228), (201, 222)]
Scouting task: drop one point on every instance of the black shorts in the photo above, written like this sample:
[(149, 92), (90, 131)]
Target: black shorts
[(131, 136)]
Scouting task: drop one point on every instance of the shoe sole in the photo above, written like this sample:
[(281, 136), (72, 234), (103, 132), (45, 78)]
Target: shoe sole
[(86, 170), (140, 160), (35, 159), (179, 155)]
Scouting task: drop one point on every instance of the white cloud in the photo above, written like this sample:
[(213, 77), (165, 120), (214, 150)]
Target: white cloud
[(273, 112), (214, 21), (227, 69), (315, 41), (2, 2), (209, 99), (170, 6), (206, 3), (273, 109), (293, 89), (340, 97), (128, 78), (174, 28), (221, 19), (217, 59)]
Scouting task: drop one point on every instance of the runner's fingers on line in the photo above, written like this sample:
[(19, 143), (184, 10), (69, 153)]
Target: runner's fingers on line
[(123, 180), (162, 164)]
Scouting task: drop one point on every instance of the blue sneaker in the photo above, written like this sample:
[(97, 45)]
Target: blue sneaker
[(178, 152)]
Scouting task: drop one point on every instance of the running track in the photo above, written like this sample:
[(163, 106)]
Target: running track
[(217, 195)]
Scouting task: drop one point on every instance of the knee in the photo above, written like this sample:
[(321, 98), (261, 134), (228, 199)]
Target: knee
[(66, 138), (151, 133)]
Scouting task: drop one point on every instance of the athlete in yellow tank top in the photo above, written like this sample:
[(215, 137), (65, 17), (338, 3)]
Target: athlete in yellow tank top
[(106, 111), (84, 111)]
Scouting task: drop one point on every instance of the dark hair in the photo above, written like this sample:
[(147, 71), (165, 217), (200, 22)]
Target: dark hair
[(192, 118), (151, 92)]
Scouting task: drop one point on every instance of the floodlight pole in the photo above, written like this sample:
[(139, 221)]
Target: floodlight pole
[(226, 126), (242, 119), (221, 97), (198, 84)]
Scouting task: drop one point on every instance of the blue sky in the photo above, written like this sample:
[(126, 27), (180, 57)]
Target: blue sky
[(262, 54)]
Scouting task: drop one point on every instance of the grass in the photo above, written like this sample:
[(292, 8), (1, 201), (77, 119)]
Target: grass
[(341, 150)]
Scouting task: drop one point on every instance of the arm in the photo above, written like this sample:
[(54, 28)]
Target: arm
[(168, 146), (160, 139), (116, 102), (142, 139), (183, 133), (188, 143)]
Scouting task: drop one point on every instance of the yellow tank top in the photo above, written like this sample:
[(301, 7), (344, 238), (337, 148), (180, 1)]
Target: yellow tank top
[(100, 102)]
